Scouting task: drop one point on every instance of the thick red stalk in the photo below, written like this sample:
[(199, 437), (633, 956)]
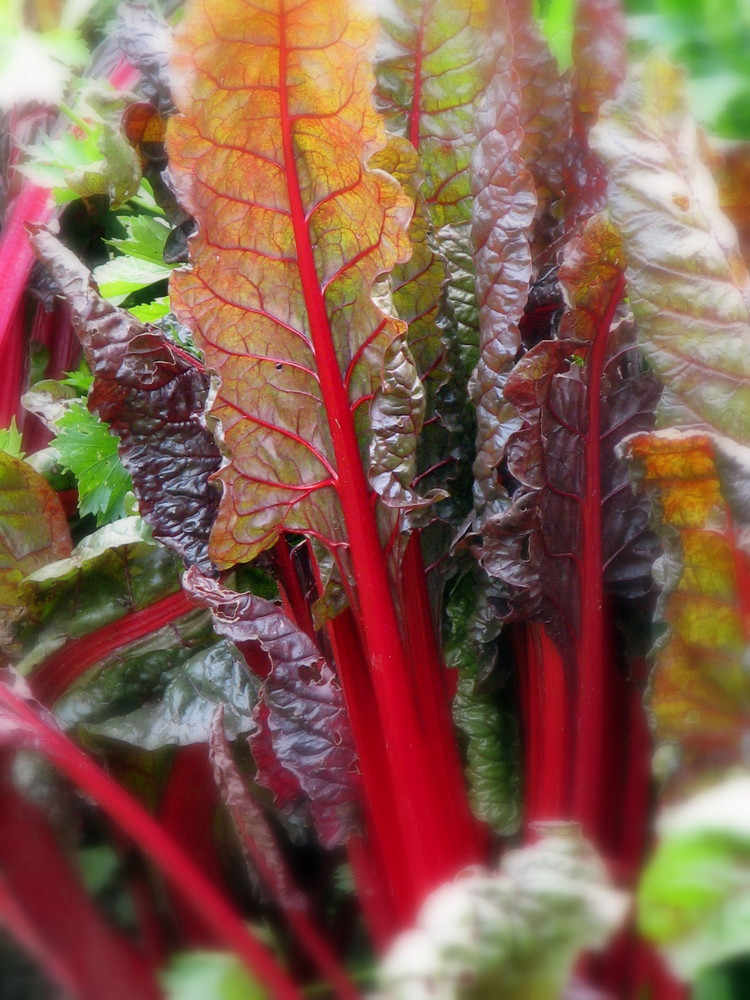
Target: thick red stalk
[(186, 812), (54, 676), (422, 794), (431, 695), (548, 720), (49, 912), (594, 659), (38, 734), (399, 893)]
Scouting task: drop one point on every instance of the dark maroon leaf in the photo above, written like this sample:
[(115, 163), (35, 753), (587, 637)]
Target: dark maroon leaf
[(152, 394), (145, 40), (302, 707)]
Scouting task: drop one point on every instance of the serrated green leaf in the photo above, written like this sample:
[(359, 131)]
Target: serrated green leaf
[(150, 312), (122, 275), (203, 974), (145, 238), (89, 451), (11, 440)]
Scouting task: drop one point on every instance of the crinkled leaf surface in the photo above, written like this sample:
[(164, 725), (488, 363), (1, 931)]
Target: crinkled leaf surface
[(434, 63), (694, 894), (504, 209), (700, 696), (599, 57), (575, 516), (152, 395), (544, 118), (479, 707), (33, 527), (687, 282), (145, 39), (111, 641), (300, 706), (269, 155)]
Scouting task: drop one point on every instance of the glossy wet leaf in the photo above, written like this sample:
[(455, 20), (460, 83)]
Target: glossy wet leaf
[(153, 396), (300, 710), (504, 209)]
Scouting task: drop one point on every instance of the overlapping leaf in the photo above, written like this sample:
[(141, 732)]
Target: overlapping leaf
[(687, 282), (599, 56), (504, 210), (268, 155), (300, 710), (700, 696), (111, 641), (153, 395), (34, 530), (577, 398), (544, 117), (479, 709)]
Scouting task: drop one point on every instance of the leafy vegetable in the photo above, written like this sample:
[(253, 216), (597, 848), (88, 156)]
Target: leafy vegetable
[(89, 451), (695, 892)]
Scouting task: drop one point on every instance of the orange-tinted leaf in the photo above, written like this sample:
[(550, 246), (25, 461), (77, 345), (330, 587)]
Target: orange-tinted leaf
[(700, 693), (269, 155), (733, 180)]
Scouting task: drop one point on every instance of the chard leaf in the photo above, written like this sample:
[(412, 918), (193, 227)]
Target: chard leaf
[(88, 450), (694, 894), (479, 708), (599, 58), (33, 529), (300, 710), (732, 178), (145, 40), (112, 642), (687, 282), (504, 210), (544, 118), (434, 63), (575, 517), (152, 394), (284, 261), (700, 697), (514, 933)]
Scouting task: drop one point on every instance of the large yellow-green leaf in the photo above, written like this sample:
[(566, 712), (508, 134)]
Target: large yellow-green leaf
[(687, 282), (269, 154), (700, 692)]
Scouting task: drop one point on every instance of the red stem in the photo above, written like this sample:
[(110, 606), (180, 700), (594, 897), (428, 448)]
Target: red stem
[(594, 663), (54, 676), (152, 839), (547, 726), (422, 793)]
